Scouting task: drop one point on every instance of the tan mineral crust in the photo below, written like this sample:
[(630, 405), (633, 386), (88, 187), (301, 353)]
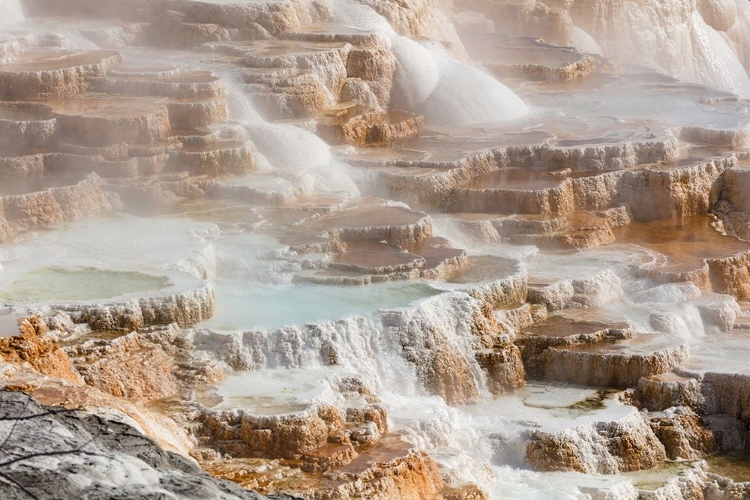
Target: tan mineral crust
[(375, 249)]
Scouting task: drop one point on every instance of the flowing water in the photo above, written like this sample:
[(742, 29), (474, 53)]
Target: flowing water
[(281, 294)]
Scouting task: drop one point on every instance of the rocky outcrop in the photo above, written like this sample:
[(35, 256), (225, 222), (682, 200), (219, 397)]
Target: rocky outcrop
[(536, 19), (622, 445), (651, 194), (25, 126), (45, 444), (584, 292), (394, 224), (556, 331), (32, 347), (554, 200), (316, 438), (503, 367), (143, 365), (217, 158), (730, 275), (527, 58), (683, 434), (177, 84), (725, 488), (104, 120), (421, 18), (500, 283), (57, 204), (659, 392), (326, 61), (253, 19), (20, 167), (725, 393), (392, 469), (409, 474), (140, 366), (195, 114), (448, 374), (362, 262), (438, 337), (370, 129), (620, 365), (56, 74), (370, 70), (302, 435), (580, 229)]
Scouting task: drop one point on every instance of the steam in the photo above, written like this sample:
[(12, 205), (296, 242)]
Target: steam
[(716, 64), (288, 148), (429, 81), (585, 42), (12, 12), (484, 442), (674, 38)]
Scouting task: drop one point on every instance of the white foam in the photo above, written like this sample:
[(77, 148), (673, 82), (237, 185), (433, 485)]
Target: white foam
[(358, 16), (448, 92)]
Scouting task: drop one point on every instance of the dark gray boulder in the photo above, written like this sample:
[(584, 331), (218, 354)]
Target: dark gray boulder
[(52, 453)]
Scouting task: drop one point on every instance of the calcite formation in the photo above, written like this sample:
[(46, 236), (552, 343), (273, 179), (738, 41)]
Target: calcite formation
[(626, 444), (444, 362), (186, 309), (683, 434), (145, 365), (349, 249), (32, 347)]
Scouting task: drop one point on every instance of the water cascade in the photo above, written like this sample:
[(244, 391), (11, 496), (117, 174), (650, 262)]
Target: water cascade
[(359, 249)]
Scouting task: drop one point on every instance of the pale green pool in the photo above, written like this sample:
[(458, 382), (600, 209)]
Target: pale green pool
[(54, 284)]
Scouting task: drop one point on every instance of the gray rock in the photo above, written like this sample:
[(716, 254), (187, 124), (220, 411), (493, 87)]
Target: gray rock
[(52, 453)]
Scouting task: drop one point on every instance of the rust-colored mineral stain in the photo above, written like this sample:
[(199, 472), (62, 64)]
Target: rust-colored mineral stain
[(24, 111), (558, 326), (686, 242), (522, 179), (51, 60), (102, 106), (483, 268)]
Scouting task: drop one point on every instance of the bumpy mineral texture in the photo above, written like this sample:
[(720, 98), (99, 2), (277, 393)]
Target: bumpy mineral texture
[(627, 444)]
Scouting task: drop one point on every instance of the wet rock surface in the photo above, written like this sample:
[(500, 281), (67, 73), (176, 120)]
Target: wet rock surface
[(321, 249)]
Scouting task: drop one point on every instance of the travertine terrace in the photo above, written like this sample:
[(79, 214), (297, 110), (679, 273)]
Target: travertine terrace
[(375, 249)]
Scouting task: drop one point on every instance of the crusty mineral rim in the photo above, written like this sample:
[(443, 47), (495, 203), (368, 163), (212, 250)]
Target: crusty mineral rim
[(185, 301)]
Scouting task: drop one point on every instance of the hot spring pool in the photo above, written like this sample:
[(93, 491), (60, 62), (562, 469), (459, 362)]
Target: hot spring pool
[(57, 284), (242, 304)]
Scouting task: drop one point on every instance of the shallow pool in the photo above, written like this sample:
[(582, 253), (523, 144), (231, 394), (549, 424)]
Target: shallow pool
[(55, 284), (246, 304)]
